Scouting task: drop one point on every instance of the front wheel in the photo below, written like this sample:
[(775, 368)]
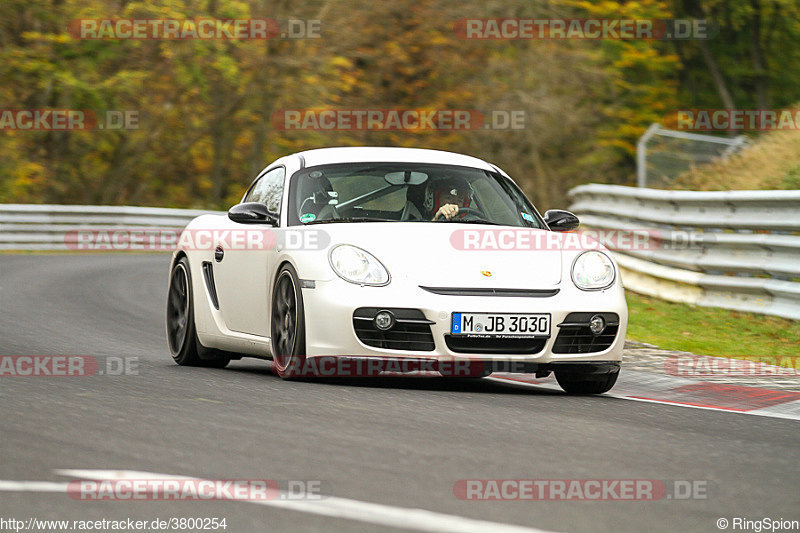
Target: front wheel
[(287, 331), (586, 384), (181, 333)]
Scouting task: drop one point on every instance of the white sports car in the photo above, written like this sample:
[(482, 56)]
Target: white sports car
[(372, 261)]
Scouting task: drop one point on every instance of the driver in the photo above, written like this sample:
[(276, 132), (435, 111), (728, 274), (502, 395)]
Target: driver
[(444, 196)]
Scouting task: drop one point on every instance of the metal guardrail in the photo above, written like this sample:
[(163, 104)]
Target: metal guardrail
[(739, 250), (733, 249), (53, 227)]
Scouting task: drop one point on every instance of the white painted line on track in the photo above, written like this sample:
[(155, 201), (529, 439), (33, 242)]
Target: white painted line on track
[(768, 414), (32, 486), (343, 508)]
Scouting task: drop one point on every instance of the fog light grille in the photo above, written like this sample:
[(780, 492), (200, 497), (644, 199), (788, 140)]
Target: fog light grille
[(411, 330), (575, 334)]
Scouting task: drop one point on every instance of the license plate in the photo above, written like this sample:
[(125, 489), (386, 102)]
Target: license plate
[(501, 324)]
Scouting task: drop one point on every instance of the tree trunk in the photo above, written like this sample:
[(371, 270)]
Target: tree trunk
[(716, 75), (757, 51)]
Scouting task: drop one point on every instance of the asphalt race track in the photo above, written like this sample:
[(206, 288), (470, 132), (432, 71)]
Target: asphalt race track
[(379, 447)]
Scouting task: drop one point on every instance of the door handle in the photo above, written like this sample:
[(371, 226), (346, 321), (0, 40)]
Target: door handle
[(219, 253)]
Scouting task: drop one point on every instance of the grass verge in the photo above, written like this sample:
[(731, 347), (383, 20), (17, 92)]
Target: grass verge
[(710, 330), (770, 162)]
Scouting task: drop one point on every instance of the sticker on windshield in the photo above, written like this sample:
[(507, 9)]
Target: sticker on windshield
[(308, 217), (527, 217)]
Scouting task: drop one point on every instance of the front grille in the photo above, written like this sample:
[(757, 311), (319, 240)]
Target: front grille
[(486, 291), (574, 335), (411, 332), (471, 344)]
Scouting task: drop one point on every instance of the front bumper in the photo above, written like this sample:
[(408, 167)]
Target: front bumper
[(329, 309)]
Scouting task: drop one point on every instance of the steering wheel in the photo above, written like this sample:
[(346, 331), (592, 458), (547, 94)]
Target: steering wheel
[(464, 212)]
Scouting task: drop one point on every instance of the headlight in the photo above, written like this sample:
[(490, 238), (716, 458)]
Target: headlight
[(358, 266), (593, 270)]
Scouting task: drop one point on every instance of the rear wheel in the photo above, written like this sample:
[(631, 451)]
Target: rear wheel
[(586, 384), (287, 331), (181, 333)]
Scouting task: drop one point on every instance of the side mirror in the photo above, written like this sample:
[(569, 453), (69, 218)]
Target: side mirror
[(559, 220), (253, 213)]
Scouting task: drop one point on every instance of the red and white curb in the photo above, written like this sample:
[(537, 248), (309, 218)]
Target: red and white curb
[(643, 386)]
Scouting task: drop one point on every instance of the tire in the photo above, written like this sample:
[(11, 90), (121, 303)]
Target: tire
[(287, 325), (182, 338), (583, 384)]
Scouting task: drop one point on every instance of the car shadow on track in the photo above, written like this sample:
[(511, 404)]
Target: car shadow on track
[(525, 385)]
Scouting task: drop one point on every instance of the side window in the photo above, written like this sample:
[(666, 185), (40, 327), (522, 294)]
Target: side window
[(268, 189)]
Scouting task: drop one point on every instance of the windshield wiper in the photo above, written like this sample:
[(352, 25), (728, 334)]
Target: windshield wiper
[(351, 219), (454, 221)]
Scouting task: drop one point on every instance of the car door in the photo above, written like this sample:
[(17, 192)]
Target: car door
[(244, 259)]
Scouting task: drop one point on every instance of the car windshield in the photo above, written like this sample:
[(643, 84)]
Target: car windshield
[(408, 192)]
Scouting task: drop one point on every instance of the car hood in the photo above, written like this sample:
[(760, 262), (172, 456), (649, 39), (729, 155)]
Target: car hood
[(457, 255)]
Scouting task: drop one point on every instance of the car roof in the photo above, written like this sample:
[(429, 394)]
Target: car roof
[(376, 154)]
